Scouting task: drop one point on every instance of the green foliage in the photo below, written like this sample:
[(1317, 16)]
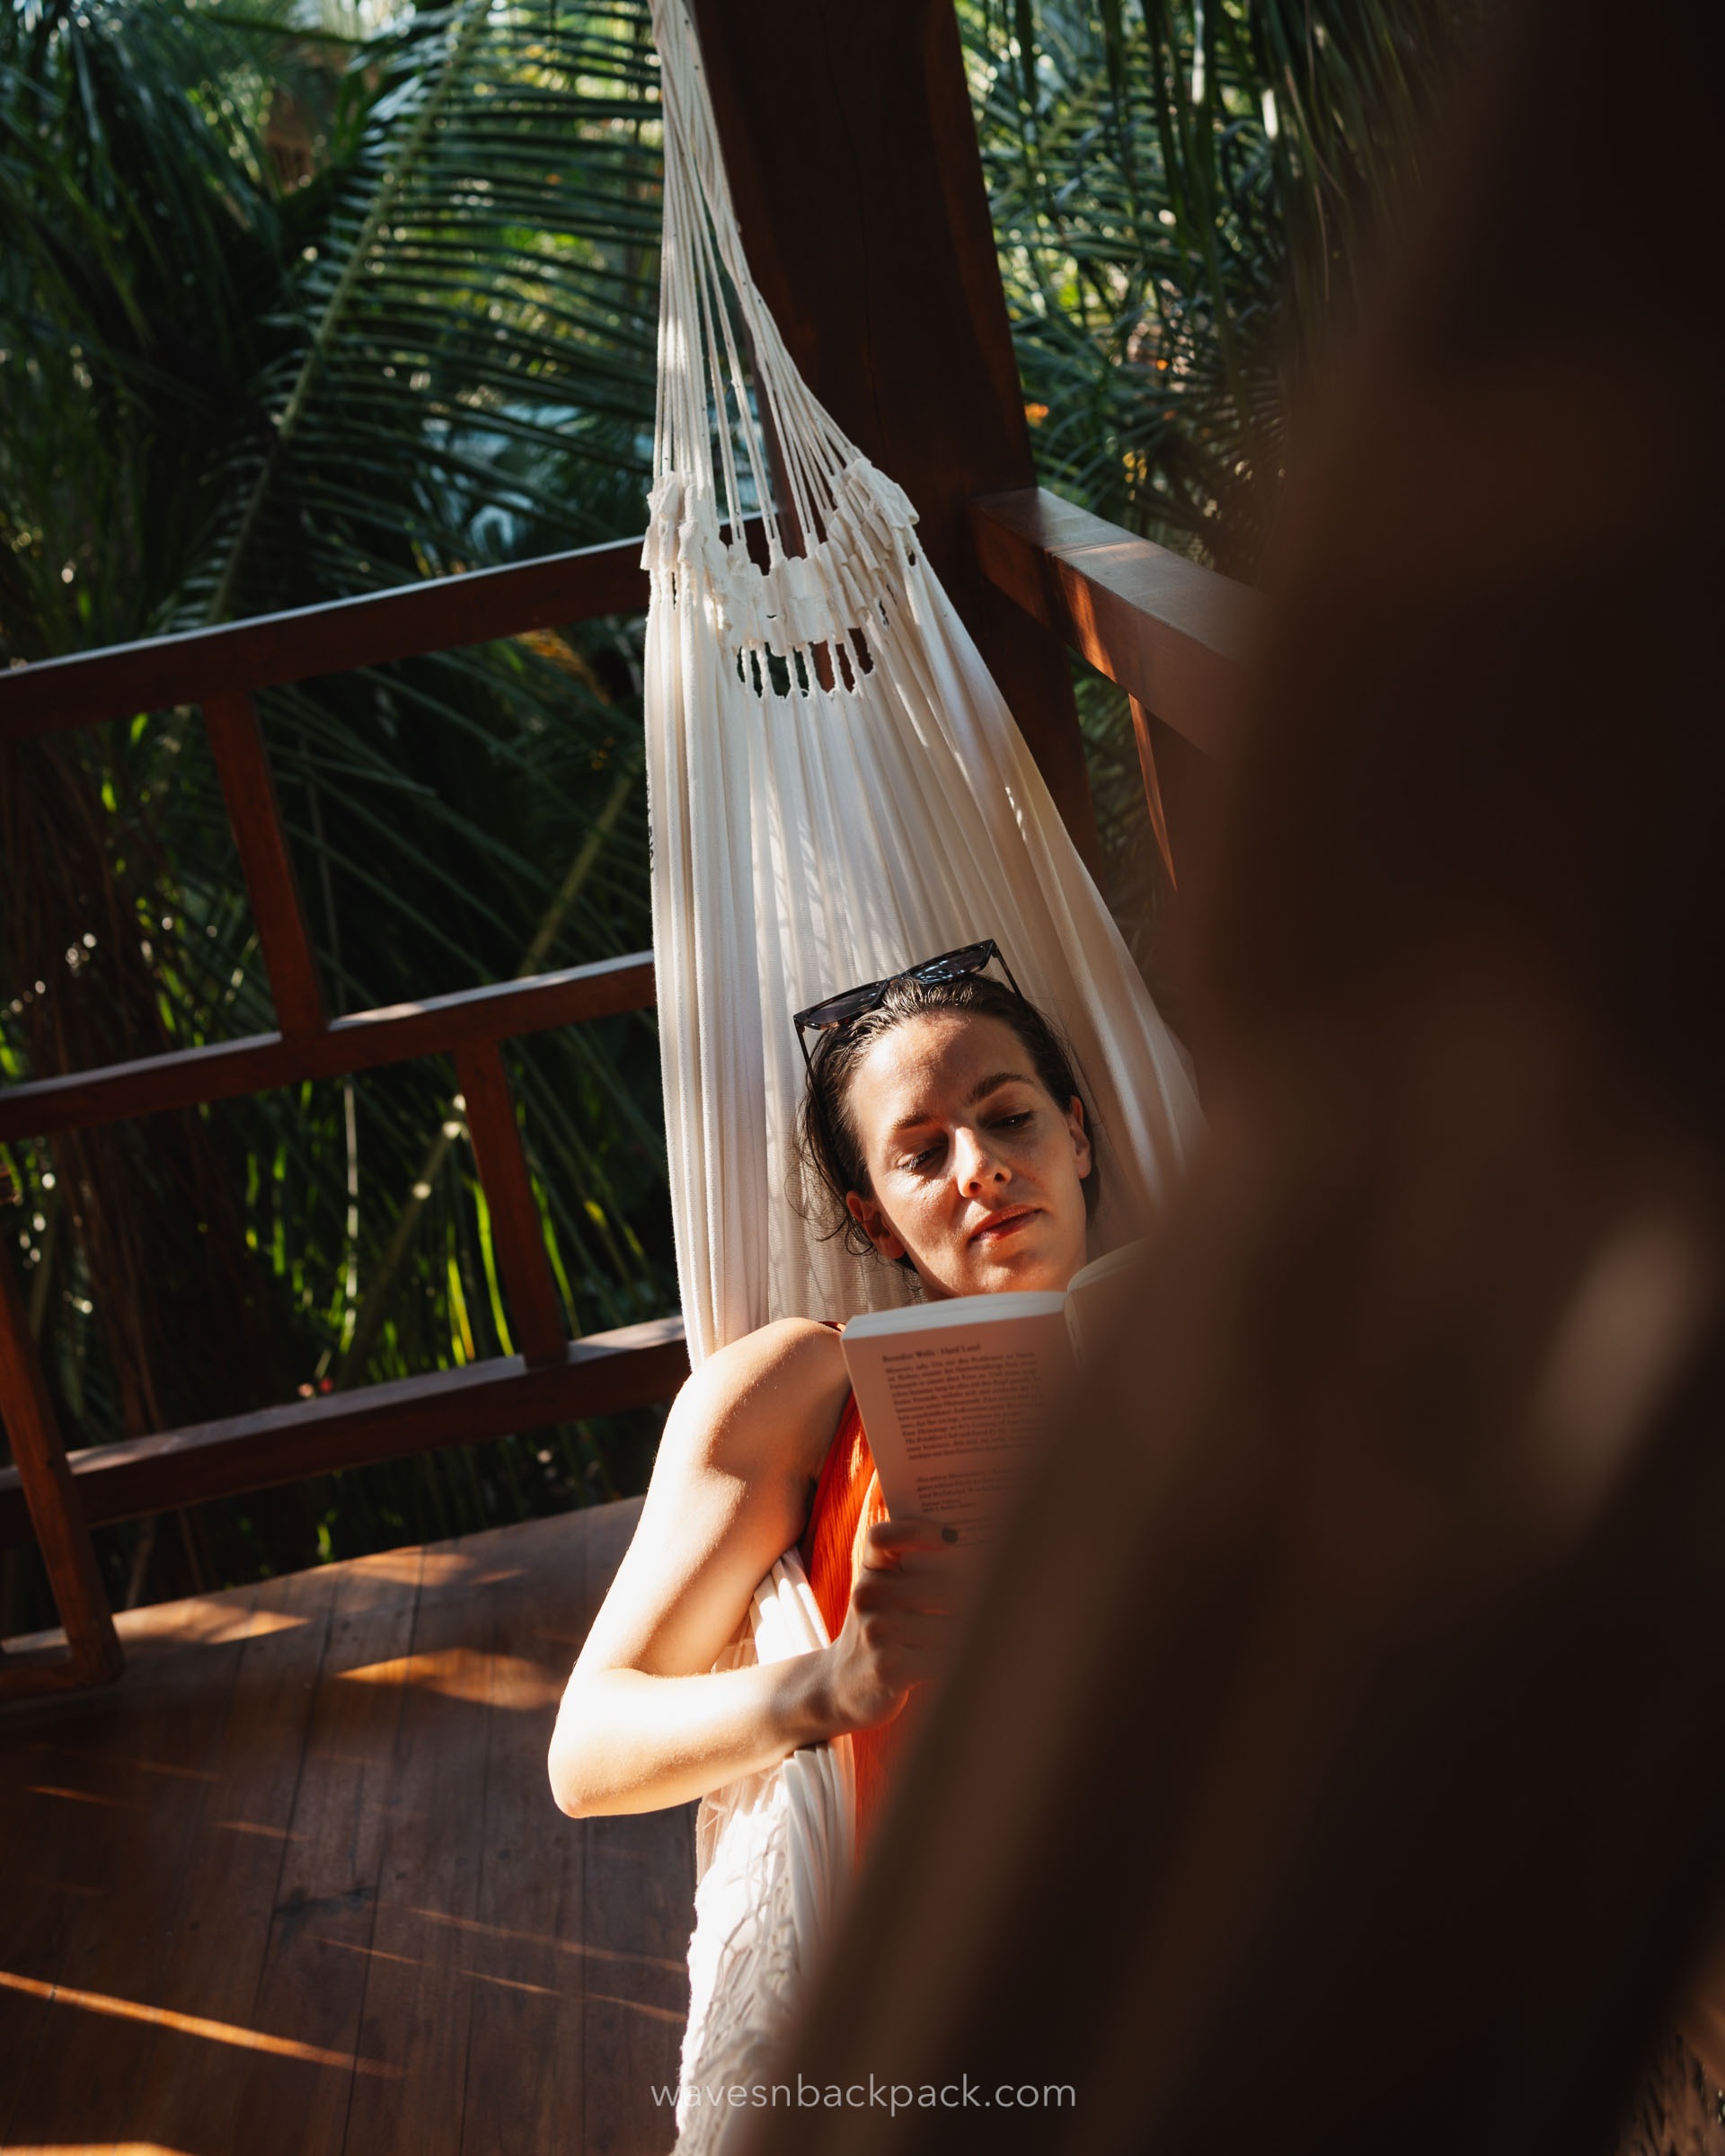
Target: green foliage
[(1187, 194), (288, 316)]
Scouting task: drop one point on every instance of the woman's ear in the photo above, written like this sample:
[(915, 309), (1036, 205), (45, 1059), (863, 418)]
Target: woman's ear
[(867, 1214), (1080, 1136)]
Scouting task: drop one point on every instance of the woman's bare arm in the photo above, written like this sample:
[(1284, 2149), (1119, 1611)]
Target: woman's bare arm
[(645, 1721)]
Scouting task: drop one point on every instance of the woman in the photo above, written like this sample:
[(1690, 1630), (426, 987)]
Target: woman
[(944, 1130)]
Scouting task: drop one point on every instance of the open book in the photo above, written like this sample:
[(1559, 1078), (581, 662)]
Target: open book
[(952, 1393)]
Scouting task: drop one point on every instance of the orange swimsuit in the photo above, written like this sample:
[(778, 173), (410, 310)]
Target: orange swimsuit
[(847, 1502)]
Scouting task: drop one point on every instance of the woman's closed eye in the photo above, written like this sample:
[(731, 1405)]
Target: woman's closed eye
[(931, 1155)]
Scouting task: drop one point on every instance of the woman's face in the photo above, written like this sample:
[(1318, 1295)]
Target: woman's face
[(977, 1172)]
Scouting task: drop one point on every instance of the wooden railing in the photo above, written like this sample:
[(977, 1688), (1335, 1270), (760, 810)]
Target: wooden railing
[(1174, 636), (552, 1379), (1171, 634)]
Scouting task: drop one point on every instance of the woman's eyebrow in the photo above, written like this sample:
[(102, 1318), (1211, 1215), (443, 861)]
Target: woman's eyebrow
[(979, 1091), (985, 1086)]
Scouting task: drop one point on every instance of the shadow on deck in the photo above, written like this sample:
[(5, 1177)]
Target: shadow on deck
[(296, 1883)]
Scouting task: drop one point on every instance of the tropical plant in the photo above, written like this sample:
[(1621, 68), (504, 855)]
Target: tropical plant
[(287, 313), (1187, 198)]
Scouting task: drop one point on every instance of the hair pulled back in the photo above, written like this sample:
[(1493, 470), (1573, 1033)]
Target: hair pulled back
[(830, 1146)]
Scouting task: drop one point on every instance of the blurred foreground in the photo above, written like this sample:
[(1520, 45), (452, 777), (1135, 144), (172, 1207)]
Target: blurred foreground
[(1335, 1764)]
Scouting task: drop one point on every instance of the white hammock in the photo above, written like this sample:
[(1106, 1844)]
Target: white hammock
[(806, 838)]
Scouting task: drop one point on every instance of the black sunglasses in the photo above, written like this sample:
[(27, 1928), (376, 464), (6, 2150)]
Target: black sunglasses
[(853, 1003)]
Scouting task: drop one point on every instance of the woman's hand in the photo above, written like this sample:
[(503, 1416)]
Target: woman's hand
[(900, 1626)]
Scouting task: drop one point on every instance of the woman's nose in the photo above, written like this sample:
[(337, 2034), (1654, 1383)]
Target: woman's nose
[(975, 1161)]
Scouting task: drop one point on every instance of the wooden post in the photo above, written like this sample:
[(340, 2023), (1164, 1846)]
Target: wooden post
[(853, 161), (93, 1655), (1141, 724), (516, 1233), (249, 790)]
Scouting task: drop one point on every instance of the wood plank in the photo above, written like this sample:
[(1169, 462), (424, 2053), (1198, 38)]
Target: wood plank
[(536, 1314), (418, 1994), (249, 789), (1176, 636), (46, 1487), (525, 1937), (916, 365), (311, 1990), (440, 615), (186, 2088), (55, 1881), (437, 1025), (638, 1901), (132, 1776), (602, 1374), (541, 1972)]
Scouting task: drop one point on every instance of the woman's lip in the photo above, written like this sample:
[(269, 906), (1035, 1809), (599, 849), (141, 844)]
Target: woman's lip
[(998, 1223)]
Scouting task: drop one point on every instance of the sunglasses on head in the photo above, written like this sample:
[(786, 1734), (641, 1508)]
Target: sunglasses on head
[(855, 1002)]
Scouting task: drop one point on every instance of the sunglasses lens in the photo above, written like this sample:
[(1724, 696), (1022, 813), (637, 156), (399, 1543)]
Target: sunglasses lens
[(850, 1003), (952, 964)]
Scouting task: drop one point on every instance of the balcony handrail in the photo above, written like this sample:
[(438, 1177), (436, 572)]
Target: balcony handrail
[(361, 1042), (1177, 637), (441, 614)]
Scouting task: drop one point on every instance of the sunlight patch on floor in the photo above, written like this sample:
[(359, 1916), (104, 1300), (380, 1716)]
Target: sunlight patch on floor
[(194, 2025), (544, 1939), (464, 1672)]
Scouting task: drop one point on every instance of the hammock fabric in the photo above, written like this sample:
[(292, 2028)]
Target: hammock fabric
[(807, 836), (772, 1851), (836, 790)]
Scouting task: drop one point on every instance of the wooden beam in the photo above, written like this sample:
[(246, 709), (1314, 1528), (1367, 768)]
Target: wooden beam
[(440, 1025), (42, 1492), (1152, 801), (852, 156), (1174, 635), (602, 1374), (440, 615), (517, 1236), (249, 789)]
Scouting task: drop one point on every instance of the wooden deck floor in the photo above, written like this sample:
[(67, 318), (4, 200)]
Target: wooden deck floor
[(295, 1885)]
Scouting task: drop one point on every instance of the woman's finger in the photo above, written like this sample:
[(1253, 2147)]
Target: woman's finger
[(889, 1540)]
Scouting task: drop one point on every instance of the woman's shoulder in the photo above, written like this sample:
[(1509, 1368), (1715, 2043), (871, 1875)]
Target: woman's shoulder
[(789, 1367), (779, 1390)]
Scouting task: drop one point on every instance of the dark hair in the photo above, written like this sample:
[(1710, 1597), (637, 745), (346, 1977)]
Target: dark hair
[(829, 1148)]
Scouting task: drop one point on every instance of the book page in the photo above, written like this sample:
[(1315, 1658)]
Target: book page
[(950, 1408)]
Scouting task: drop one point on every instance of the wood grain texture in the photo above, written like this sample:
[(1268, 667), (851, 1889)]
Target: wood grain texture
[(534, 1311), (441, 615), (637, 1366), (1176, 636), (437, 1025), (852, 156), (47, 1497), (249, 790), (136, 1773), (299, 1885)]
